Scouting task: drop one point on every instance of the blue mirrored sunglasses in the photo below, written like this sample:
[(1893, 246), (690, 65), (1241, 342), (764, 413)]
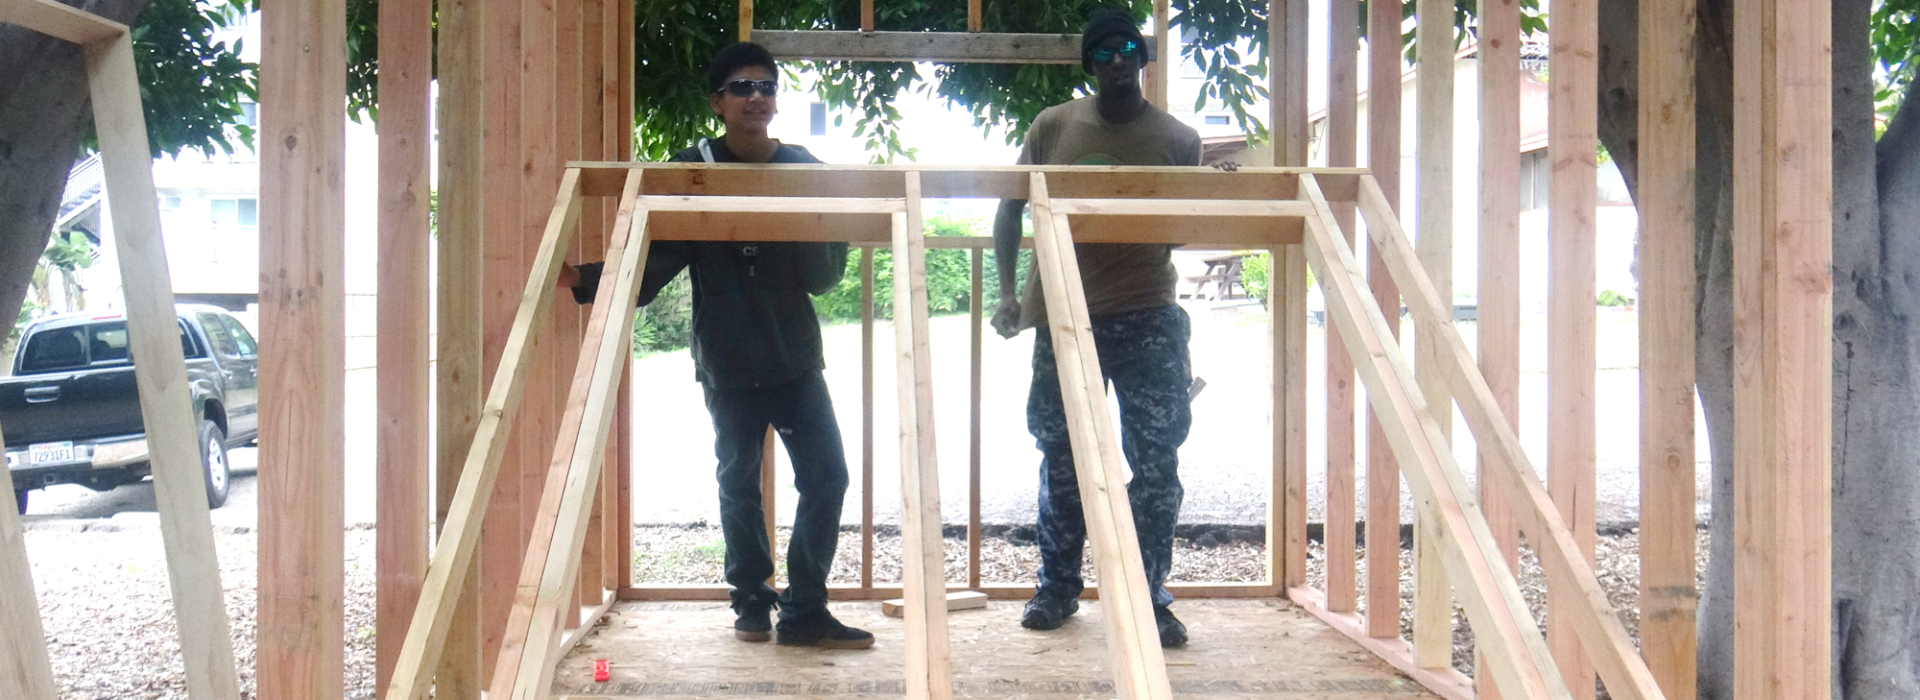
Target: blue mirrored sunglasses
[(1127, 50), (746, 88)]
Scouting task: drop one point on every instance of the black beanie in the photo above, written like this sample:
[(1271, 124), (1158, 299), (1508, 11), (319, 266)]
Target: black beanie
[(1106, 22)]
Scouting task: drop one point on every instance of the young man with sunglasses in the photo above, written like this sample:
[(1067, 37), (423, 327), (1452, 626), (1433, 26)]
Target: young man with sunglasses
[(757, 355), (1139, 330)]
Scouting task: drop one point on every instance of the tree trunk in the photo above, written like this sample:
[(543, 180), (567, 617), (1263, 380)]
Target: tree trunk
[(1876, 419), (43, 111)]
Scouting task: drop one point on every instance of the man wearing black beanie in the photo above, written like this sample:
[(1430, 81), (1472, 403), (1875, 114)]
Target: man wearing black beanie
[(1139, 330)]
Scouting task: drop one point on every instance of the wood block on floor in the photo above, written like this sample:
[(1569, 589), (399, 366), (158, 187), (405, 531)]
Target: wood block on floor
[(957, 600)]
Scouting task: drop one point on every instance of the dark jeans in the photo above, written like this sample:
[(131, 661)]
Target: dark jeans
[(1144, 357), (802, 413)]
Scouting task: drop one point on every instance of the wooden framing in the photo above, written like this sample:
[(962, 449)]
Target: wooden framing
[(1433, 159), (1783, 299), (941, 47), (506, 263), (23, 649), (1287, 504), (1384, 68), (1343, 97), (402, 451), (1668, 594)]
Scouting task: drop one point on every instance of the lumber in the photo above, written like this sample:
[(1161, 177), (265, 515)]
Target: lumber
[(973, 16), (1571, 363), (403, 453), (866, 15), (303, 354), (506, 265), (1783, 291), (976, 332), (934, 47), (603, 179), (923, 574), (550, 572), (1445, 682), (623, 115), (1498, 291), (460, 532), (1668, 594), (1132, 637), (1343, 27), (1433, 159), (774, 205), (1383, 475), (770, 495), (1509, 469), (568, 113), (1288, 52), (458, 339), (1182, 207), (1501, 622), (994, 591), (60, 21), (872, 228), (1159, 71), (23, 641), (866, 417), (958, 600), (746, 23), (540, 165)]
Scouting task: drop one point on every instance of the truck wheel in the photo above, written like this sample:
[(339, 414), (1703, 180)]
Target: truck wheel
[(20, 500), (213, 463)]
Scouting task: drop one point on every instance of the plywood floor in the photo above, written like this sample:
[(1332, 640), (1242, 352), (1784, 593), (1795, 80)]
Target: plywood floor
[(1239, 649)]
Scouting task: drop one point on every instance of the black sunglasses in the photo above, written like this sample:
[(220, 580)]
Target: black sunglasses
[(746, 88), (1126, 50)]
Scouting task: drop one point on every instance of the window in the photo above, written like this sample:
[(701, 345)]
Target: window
[(817, 115), (169, 204), (1535, 174), (79, 346), (250, 114), (1218, 120), (218, 336), (235, 212), (242, 340)]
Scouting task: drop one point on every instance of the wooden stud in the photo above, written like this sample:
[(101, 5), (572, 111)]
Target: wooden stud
[(1343, 28), (746, 20), (1445, 682), (1184, 208), (458, 340), (952, 181), (994, 591), (539, 169), (1783, 287), (623, 127), (976, 330), (1432, 605), (1571, 363), (1508, 468), (973, 16), (1668, 593), (923, 559), (505, 266), (569, 112), (958, 600), (1384, 70), (402, 453), (1160, 73), (61, 21), (1287, 516), (773, 205), (23, 641), (1139, 666), (866, 15), (866, 418), (1501, 622), (460, 530), (770, 496), (551, 569), (940, 47), (302, 497), (599, 131)]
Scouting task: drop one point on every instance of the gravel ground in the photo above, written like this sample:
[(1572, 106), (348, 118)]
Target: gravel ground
[(110, 631)]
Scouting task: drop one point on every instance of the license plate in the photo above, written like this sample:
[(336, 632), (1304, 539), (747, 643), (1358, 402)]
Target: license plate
[(50, 453)]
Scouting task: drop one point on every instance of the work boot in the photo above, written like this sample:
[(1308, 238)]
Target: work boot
[(1047, 612), (819, 629), (1172, 632), (753, 621)]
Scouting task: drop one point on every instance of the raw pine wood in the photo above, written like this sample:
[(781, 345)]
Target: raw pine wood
[(460, 530), (866, 15), (1184, 208), (1287, 80), (569, 112), (60, 21), (994, 591), (458, 340), (401, 396), (1223, 232), (624, 151), (1433, 159), (603, 179), (1139, 667), (540, 165), (1343, 22), (1571, 362), (1783, 243), (958, 600), (600, 131), (1668, 594), (302, 498), (1287, 509), (973, 15), (976, 307), (746, 21), (774, 205), (938, 47), (769, 495), (1159, 72), (1384, 69), (1445, 682), (866, 417), (23, 641), (186, 526), (506, 265), (1507, 467), (1501, 622), (551, 570), (923, 559)]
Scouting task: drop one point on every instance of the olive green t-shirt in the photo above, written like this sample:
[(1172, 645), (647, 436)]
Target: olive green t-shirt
[(1118, 277)]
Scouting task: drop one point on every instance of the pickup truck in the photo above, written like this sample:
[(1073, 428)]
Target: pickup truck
[(71, 412)]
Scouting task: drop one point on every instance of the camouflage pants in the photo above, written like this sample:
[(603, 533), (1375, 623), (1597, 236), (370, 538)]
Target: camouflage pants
[(1144, 356)]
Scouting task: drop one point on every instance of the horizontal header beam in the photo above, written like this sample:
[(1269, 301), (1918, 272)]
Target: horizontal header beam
[(59, 21), (937, 47), (944, 182), (1203, 232)]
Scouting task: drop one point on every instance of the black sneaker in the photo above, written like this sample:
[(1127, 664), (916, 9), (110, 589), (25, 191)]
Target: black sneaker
[(1172, 632), (753, 621), (821, 630), (1046, 612)]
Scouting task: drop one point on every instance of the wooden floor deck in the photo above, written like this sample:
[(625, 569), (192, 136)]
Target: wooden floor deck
[(1239, 649)]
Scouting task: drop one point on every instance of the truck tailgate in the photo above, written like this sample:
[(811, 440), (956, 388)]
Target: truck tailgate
[(77, 405)]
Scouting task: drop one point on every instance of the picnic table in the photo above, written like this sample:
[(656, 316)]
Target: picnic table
[(1222, 275)]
